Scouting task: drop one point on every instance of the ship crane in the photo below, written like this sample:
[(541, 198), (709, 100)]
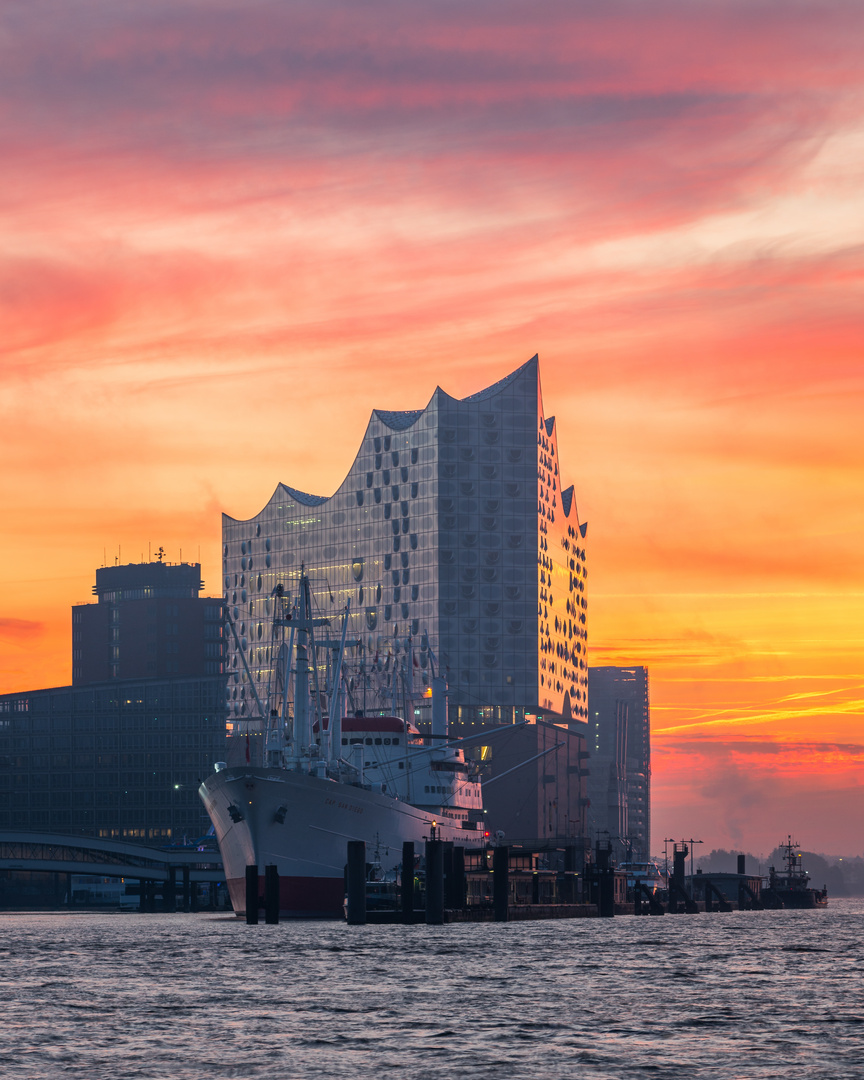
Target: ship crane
[(294, 743)]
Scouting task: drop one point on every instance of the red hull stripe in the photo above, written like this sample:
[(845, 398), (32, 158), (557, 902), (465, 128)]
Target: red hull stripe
[(298, 896)]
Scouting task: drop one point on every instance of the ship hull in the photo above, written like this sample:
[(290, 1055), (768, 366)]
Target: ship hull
[(794, 898), (301, 824)]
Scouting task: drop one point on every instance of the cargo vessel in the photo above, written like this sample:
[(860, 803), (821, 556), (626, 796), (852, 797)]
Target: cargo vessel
[(327, 778)]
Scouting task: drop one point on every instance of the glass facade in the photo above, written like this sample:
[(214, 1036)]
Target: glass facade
[(456, 546), (619, 742), (118, 760)]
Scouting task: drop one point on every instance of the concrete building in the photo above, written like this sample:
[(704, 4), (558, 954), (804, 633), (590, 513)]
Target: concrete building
[(619, 744), (458, 544), (148, 622)]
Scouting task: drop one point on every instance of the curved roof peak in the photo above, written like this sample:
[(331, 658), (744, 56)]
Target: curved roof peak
[(304, 497), (399, 421), (490, 391)]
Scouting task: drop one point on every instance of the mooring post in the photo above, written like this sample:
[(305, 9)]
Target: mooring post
[(434, 883), (458, 892), (447, 866), (407, 886), (251, 895), (676, 884), (187, 897), (271, 895), (356, 910), (501, 883)]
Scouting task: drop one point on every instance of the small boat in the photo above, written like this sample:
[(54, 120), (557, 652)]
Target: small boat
[(789, 887), (646, 874)]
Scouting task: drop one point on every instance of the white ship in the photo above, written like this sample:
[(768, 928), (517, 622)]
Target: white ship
[(327, 779)]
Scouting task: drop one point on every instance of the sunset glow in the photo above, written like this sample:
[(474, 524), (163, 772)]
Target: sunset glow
[(230, 232)]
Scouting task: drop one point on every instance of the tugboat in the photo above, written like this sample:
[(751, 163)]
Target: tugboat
[(788, 888)]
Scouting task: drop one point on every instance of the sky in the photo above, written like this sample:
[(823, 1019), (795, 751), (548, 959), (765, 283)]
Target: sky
[(229, 231)]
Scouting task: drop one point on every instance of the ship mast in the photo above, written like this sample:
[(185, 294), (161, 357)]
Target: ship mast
[(278, 722)]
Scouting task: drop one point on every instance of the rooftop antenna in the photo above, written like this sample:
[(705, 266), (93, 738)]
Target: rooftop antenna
[(160, 553)]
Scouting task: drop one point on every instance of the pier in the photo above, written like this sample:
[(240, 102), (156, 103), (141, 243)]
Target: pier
[(503, 884)]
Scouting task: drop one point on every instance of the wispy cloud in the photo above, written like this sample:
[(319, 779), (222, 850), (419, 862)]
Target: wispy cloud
[(212, 217)]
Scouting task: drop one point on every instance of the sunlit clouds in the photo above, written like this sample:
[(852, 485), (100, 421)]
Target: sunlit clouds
[(230, 232)]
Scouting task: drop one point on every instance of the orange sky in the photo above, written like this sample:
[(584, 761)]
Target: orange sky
[(230, 232)]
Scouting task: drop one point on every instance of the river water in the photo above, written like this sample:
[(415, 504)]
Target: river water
[(128, 996)]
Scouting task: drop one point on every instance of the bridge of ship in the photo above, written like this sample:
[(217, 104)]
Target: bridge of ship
[(105, 858)]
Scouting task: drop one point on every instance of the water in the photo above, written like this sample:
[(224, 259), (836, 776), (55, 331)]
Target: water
[(127, 996)]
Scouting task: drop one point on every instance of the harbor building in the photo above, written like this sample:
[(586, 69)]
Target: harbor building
[(459, 546), (541, 799), (619, 745)]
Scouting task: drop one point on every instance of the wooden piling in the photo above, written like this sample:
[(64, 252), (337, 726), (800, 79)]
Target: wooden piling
[(251, 895), (434, 883), (501, 883), (407, 887)]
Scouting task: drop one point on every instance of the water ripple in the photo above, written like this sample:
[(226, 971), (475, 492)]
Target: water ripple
[(193, 997)]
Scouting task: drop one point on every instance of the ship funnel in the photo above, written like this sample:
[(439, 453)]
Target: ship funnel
[(440, 726)]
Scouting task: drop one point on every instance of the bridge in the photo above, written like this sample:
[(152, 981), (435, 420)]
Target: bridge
[(156, 869)]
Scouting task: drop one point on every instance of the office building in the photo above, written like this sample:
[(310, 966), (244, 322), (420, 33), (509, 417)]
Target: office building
[(619, 744), (121, 752), (120, 760), (148, 622)]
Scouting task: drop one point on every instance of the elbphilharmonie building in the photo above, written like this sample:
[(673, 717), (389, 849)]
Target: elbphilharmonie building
[(460, 550)]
